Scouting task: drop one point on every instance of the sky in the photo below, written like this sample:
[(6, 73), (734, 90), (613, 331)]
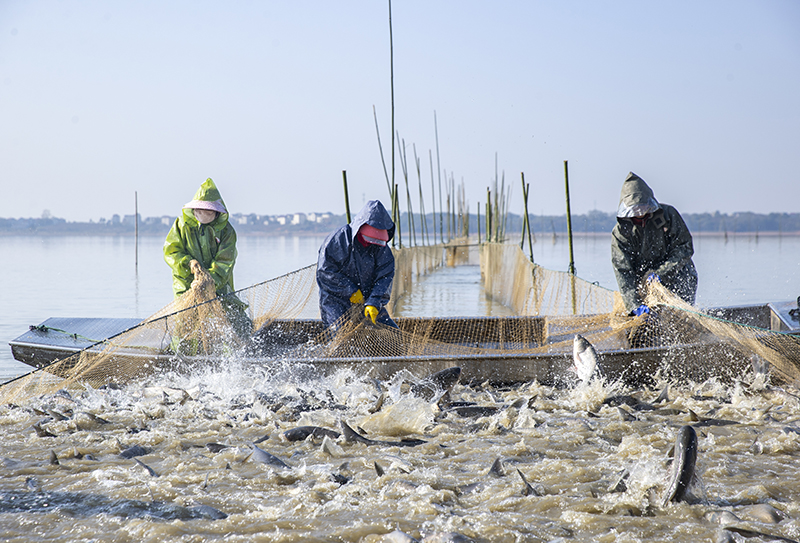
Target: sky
[(103, 103)]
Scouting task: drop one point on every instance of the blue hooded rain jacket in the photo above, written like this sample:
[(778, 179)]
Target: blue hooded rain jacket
[(345, 266)]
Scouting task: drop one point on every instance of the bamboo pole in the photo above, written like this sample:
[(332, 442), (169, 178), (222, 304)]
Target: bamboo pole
[(479, 223), (396, 205), (426, 239), (380, 148), (447, 202), (136, 229), (569, 221), (391, 80), (439, 174), (433, 196), (526, 188), (410, 217), (572, 270), (346, 197), (489, 232)]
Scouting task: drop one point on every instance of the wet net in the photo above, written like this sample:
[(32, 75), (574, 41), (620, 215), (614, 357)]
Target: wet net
[(277, 322)]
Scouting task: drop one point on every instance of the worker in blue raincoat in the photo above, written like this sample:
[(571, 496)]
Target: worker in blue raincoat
[(355, 267), (650, 242)]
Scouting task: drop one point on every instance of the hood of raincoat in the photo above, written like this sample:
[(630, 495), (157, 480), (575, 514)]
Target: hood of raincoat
[(636, 198), (374, 214), (208, 192)]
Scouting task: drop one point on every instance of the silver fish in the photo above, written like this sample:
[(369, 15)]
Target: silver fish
[(683, 462), (264, 457), (585, 359)]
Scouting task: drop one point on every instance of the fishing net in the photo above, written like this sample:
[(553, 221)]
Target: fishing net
[(277, 322)]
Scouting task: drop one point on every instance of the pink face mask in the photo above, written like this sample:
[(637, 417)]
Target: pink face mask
[(373, 235)]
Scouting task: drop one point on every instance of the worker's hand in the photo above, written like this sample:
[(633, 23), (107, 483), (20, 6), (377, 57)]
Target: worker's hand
[(371, 312), (641, 310), (357, 297), (195, 267), (653, 277)]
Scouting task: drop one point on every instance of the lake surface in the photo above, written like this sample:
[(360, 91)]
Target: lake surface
[(596, 471), (97, 276)]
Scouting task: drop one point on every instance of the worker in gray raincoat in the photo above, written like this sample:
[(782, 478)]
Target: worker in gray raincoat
[(650, 241), (355, 267)]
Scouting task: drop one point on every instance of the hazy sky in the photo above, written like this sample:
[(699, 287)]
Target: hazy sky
[(101, 99)]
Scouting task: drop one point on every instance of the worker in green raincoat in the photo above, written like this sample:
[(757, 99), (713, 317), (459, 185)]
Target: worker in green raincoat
[(650, 242), (202, 233)]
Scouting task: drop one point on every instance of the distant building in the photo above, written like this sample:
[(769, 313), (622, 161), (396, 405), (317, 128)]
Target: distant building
[(298, 218), (318, 217)]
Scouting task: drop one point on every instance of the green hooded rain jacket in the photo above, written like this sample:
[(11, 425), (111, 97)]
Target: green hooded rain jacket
[(212, 245), (662, 245)]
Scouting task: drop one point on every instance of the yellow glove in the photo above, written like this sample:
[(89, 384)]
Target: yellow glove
[(357, 297), (372, 312)]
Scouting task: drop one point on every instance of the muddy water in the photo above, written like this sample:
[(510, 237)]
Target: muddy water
[(571, 447)]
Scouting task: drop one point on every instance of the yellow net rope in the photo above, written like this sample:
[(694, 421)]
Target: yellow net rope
[(550, 307)]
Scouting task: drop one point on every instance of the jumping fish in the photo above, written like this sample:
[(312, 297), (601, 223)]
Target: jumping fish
[(150, 470), (497, 468), (266, 458), (585, 359), (441, 381), (683, 462), (351, 436)]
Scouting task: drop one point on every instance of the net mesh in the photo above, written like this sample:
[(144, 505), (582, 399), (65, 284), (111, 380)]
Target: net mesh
[(550, 308)]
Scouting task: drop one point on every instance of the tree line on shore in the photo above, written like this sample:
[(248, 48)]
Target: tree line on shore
[(434, 228)]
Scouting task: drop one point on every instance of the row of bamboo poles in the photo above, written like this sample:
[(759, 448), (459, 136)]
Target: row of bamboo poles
[(453, 209)]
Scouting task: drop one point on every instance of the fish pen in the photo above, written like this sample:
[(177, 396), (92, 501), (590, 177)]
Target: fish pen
[(535, 344)]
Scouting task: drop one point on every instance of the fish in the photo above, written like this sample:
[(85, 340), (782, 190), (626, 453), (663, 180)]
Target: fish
[(705, 421), (41, 432), (497, 468), (330, 447), (441, 381), (379, 470), (529, 489), (351, 436), (207, 512), (378, 403), (264, 457), (57, 415), (474, 410), (215, 447), (630, 401), (585, 359), (150, 470), (301, 433), (619, 484), (625, 415), (764, 512), (664, 396), (683, 464), (135, 450), (753, 533)]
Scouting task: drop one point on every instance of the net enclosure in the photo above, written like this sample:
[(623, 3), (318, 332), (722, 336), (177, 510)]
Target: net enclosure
[(277, 322)]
